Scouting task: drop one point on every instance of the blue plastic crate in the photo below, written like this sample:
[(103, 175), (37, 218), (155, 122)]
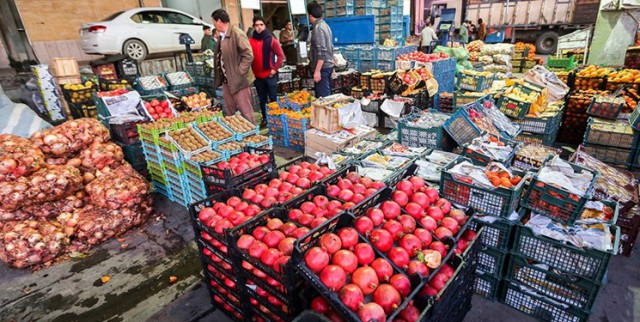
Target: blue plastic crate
[(351, 53), (368, 53), (386, 65), (366, 65)]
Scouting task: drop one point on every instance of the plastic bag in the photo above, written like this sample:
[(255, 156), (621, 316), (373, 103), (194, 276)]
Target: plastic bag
[(350, 115), (502, 59), (393, 109)]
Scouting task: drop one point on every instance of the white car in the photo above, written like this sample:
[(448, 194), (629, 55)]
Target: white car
[(139, 32)]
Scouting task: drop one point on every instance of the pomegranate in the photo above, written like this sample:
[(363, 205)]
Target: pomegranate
[(424, 236), (357, 198), (469, 235), (306, 219), (257, 249), (421, 198), (401, 283), (299, 232), (279, 265), (333, 191), (330, 242), (334, 277), (286, 246), (438, 281), (444, 205), (372, 312), (410, 313), (411, 244), (316, 259), (417, 182), (431, 258), (440, 247), (365, 253), (400, 257), (345, 184), (351, 296), (432, 193), (388, 298), (414, 210), (270, 256), (377, 185), (307, 207), (349, 237), (400, 197), (353, 176), (450, 223), (366, 182), (428, 291), (461, 246), (319, 305), (345, 195), (435, 213), (273, 238), (363, 225), (370, 192), (359, 188), (394, 228), (345, 259), (383, 269), (459, 216), (408, 223), (320, 201), (418, 267), (405, 186), (443, 232), (274, 223), (390, 209), (381, 239), (376, 215), (244, 242), (317, 222), (429, 223), (288, 228), (366, 279)]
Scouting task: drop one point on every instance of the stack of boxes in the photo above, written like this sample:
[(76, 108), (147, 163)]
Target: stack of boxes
[(542, 129), (614, 142), (48, 93), (388, 15)]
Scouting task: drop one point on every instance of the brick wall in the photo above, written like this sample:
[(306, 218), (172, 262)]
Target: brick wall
[(54, 20)]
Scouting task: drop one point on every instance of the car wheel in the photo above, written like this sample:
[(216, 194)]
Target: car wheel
[(134, 49), (547, 43)]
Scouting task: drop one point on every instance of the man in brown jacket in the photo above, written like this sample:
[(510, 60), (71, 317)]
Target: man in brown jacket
[(233, 58)]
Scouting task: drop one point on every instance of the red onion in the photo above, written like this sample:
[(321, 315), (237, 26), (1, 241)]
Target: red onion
[(31, 242), (18, 157)]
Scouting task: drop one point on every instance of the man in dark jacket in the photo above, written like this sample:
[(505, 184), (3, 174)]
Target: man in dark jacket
[(232, 60), (208, 41), (321, 51)]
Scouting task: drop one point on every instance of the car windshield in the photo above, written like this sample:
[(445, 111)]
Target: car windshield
[(112, 16)]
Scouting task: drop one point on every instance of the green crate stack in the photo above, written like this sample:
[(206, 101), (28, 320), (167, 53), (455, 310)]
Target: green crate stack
[(614, 142)]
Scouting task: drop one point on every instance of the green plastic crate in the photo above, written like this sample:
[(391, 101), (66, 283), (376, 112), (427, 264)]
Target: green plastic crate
[(565, 63), (487, 286), (512, 107), (538, 306)]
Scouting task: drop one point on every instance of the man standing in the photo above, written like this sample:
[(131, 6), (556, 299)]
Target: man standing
[(482, 30), (464, 32), (321, 51), (233, 58), (286, 40), (208, 42), (427, 35), (265, 67)]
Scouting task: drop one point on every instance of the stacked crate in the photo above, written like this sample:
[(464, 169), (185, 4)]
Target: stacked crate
[(575, 119), (629, 223), (444, 72), (542, 129), (614, 142)]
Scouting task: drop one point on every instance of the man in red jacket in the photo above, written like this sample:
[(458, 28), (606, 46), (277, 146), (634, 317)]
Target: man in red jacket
[(265, 65)]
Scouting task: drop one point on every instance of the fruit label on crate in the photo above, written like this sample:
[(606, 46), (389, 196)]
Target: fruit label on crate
[(122, 104)]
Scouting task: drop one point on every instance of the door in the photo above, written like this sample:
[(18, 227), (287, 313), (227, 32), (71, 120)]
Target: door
[(182, 23), (152, 29)]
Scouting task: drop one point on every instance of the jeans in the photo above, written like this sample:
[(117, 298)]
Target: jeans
[(323, 88), (266, 87)]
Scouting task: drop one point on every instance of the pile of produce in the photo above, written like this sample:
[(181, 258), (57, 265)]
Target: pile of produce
[(46, 212), (497, 58), (474, 49), (238, 123), (197, 101), (158, 108), (422, 57)]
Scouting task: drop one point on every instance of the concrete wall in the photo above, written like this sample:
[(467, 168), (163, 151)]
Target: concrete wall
[(614, 32), (53, 25)]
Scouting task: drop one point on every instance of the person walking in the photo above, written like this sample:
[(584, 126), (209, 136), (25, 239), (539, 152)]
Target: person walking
[(321, 50), (286, 40), (464, 32), (482, 30), (427, 35), (208, 41), (232, 60), (268, 57)]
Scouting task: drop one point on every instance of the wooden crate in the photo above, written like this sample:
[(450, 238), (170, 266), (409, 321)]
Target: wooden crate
[(324, 118), (61, 67), (68, 80)]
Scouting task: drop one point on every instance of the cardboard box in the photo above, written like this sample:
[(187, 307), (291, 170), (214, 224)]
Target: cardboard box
[(62, 67), (318, 141)]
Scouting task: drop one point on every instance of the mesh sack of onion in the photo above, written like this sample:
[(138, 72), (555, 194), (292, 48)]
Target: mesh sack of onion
[(18, 157), (70, 137), (47, 184), (28, 243), (120, 188), (47, 209)]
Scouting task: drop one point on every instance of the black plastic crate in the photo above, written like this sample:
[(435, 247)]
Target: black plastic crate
[(126, 133), (487, 286), (304, 158), (557, 203), (480, 159), (439, 306), (230, 307), (538, 306), (571, 290), (281, 312), (497, 232), (587, 263), (499, 202), (311, 239), (226, 179)]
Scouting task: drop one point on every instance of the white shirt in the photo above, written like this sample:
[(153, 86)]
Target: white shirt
[(427, 36)]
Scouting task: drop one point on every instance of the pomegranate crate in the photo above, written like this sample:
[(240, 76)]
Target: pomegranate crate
[(605, 107), (556, 203), (590, 264), (487, 286), (480, 159), (283, 282), (218, 269), (497, 232), (571, 290), (538, 306), (235, 312), (461, 128), (499, 202), (194, 211), (224, 178), (126, 133), (458, 290), (370, 201), (307, 242)]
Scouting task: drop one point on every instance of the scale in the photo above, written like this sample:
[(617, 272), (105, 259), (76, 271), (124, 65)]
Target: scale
[(446, 26)]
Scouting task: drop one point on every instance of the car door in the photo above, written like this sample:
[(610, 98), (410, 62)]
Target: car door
[(183, 23), (151, 28)]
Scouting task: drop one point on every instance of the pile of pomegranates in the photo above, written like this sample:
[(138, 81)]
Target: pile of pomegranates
[(354, 188), (305, 174), (317, 210), (227, 215), (268, 195), (243, 162)]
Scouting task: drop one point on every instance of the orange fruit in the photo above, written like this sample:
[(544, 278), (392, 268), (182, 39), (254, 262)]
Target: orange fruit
[(505, 183), (515, 180), (495, 181)]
